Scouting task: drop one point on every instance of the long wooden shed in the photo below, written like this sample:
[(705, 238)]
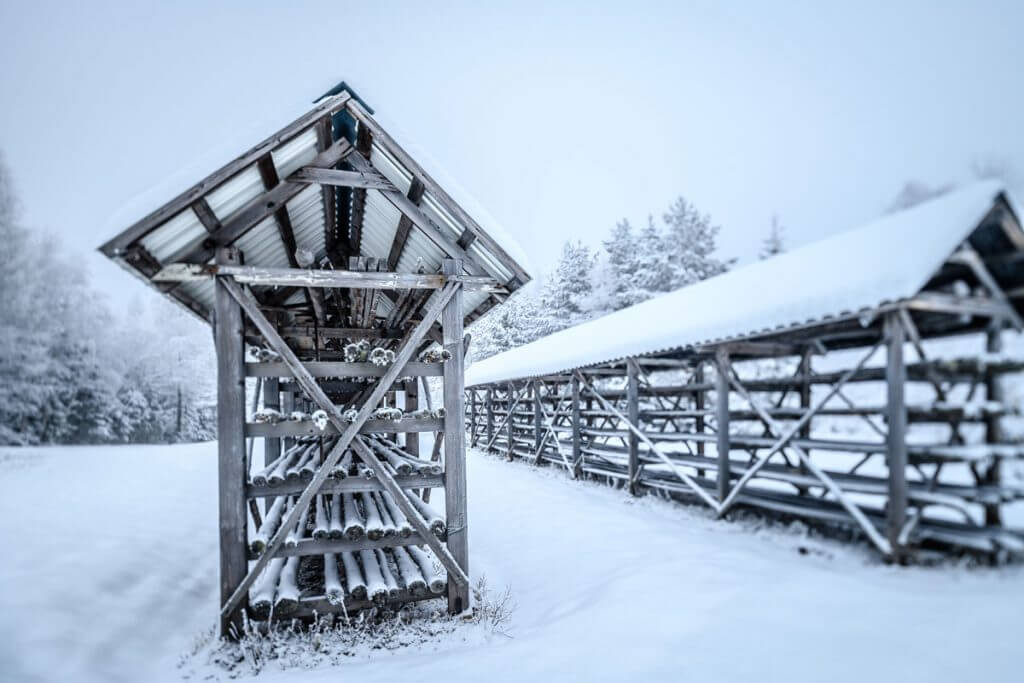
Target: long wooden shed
[(784, 386), (338, 274)]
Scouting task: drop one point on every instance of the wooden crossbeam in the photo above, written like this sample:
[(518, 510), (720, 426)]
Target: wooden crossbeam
[(257, 209), (308, 277), (387, 142), (364, 143), (348, 430), (967, 256), (791, 432), (324, 139), (325, 107), (414, 195), (334, 178), (342, 369)]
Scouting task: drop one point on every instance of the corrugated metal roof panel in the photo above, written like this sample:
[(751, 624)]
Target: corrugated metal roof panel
[(391, 169), (262, 245), (380, 223), (295, 154), (420, 247), (235, 193), (181, 231), (306, 211)]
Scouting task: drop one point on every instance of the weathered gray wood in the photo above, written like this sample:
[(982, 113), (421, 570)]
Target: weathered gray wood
[(353, 333), (509, 421), (994, 433), (257, 209), (349, 431), (538, 419), (414, 195), (335, 178), (294, 429), (412, 404), (342, 369), (336, 249), (306, 277), (454, 442), (271, 401), (436, 190), (896, 416), (633, 413), (698, 405), (326, 106), (348, 484), (489, 408), (231, 474), (340, 545), (577, 441), (722, 366), (364, 143)]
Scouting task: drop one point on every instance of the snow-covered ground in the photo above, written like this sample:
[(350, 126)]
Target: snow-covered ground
[(99, 581)]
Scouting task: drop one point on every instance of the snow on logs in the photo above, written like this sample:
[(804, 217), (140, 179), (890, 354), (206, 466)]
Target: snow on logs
[(376, 575)]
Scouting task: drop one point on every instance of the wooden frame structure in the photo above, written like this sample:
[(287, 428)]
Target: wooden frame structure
[(884, 439), (349, 273)]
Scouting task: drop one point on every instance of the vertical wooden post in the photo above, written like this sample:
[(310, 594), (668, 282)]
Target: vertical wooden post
[(472, 417), (805, 404), (698, 407), (490, 415), (577, 444), (722, 413), (412, 402), (230, 344), (994, 392), (538, 417), (455, 439), (896, 415), (509, 421), (633, 413), (271, 445)]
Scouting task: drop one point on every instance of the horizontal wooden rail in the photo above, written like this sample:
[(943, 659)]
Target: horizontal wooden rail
[(339, 369), (339, 545), (348, 484), (292, 429)]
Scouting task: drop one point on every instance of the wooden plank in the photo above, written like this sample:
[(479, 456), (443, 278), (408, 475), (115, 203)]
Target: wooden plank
[(319, 547), (256, 210), (349, 431), (722, 366), (295, 429), (577, 442), (633, 414), (335, 178), (327, 106), (698, 405), (364, 143), (436, 190), (348, 484), (341, 332), (231, 474), (336, 248), (538, 424), (342, 369), (412, 403), (271, 401), (896, 443), (995, 392), (206, 215), (454, 441), (414, 195)]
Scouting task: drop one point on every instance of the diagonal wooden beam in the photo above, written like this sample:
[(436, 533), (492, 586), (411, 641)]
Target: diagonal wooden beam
[(257, 209), (330, 177), (414, 195), (206, 215), (419, 219), (336, 250), (268, 173), (364, 143), (327, 106), (348, 430), (967, 256)]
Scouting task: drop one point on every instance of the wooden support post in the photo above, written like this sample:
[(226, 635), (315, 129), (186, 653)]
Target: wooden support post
[(412, 402), (722, 413), (994, 392), (509, 420), (538, 424), (805, 404), (490, 415), (577, 443), (698, 407), (472, 417), (271, 444), (230, 344), (633, 414), (896, 416), (455, 440)]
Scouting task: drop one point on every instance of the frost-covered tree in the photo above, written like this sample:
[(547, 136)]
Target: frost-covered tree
[(775, 243), (568, 288), (692, 241)]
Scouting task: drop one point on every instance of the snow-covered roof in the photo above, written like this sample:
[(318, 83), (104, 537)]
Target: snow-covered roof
[(163, 224), (887, 260)]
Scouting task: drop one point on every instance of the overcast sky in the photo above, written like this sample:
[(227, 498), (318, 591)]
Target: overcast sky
[(560, 120)]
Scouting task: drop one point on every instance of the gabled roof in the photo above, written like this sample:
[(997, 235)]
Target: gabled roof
[(268, 204), (888, 260)]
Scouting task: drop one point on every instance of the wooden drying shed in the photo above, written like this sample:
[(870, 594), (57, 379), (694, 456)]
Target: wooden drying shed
[(331, 252), (760, 388)]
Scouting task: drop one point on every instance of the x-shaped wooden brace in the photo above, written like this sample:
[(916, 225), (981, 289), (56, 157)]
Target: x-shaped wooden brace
[(785, 437), (508, 416), (349, 434), (549, 422), (686, 479)]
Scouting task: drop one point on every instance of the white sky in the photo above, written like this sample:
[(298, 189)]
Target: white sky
[(560, 120)]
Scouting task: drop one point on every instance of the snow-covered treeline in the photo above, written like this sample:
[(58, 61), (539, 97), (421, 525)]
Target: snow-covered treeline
[(630, 266), (74, 371)]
